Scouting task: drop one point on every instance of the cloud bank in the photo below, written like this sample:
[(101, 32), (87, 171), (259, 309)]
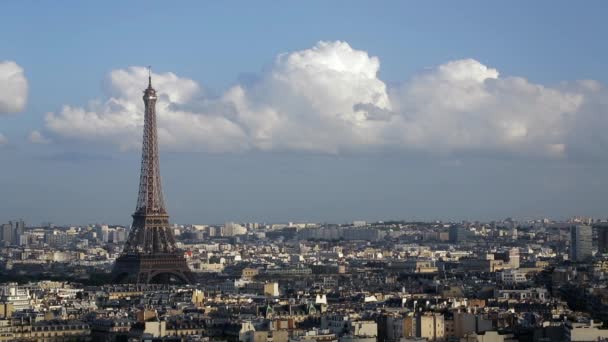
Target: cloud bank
[(329, 99)]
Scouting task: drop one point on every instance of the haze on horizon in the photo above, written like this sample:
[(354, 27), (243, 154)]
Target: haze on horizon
[(325, 112)]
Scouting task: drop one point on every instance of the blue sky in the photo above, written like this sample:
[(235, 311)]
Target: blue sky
[(68, 51)]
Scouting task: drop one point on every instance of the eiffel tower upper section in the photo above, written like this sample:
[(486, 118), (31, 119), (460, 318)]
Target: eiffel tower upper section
[(150, 198)]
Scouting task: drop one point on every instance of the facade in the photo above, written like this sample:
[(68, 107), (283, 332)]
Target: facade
[(511, 276), (431, 326), (271, 289), (458, 234), (233, 229), (45, 331), (587, 332), (360, 328), (17, 297), (514, 257), (580, 243), (465, 323), (11, 232), (395, 328), (6, 234), (536, 294), (602, 238)]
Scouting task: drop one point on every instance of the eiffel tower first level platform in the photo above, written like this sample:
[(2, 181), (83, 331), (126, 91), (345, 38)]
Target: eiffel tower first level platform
[(150, 254), (159, 268)]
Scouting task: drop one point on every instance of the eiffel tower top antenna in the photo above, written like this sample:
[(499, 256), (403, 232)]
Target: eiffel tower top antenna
[(149, 76)]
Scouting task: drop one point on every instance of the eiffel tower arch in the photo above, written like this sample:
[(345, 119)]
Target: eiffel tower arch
[(150, 254)]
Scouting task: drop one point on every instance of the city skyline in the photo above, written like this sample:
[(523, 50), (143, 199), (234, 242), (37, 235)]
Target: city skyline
[(437, 120), (320, 171)]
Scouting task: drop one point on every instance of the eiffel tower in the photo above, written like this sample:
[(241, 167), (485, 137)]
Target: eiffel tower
[(150, 254)]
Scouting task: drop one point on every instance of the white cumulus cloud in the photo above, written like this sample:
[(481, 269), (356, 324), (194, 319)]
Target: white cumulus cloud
[(36, 137), (13, 87), (119, 118), (465, 106), (329, 99), (309, 100)]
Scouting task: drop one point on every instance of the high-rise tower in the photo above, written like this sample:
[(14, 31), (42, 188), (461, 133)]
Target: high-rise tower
[(150, 254), (580, 243), (602, 237)]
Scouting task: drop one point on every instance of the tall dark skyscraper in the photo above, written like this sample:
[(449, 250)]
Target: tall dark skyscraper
[(581, 243), (18, 227), (150, 254), (602, 238), (6, 234), (458, 234)]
